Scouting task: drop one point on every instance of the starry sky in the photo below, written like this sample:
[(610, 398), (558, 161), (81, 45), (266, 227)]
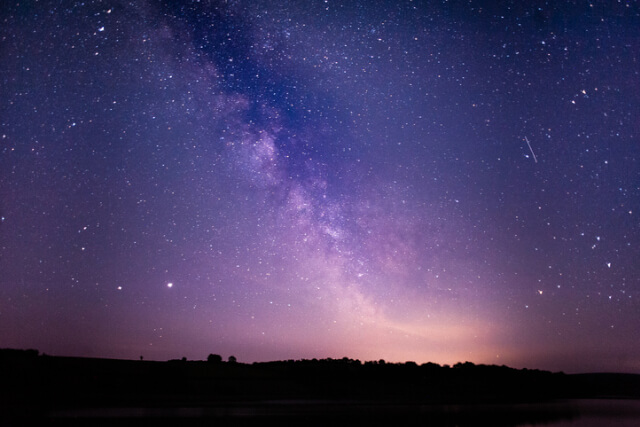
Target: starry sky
[(437, 181)]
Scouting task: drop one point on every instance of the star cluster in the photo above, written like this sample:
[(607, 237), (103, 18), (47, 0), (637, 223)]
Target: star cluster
[(428, 181)]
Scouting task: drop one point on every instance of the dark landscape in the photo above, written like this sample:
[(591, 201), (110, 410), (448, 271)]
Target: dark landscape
[(66, 390)]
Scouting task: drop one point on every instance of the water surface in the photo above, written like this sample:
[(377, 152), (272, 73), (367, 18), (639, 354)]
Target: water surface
[(569, 413)]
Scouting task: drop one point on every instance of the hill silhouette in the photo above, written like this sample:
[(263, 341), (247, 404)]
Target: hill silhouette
[(40, 385)]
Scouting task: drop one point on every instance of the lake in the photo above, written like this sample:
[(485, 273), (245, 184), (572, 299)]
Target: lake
[(569, 413), (598, 413)]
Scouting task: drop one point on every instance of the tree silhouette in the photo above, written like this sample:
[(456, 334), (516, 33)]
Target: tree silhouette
[(214, 358), (232, 359)]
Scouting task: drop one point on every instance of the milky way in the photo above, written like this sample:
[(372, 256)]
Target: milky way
[(398, 180)]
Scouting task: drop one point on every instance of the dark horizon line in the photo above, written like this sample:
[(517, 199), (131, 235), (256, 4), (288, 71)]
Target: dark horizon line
[(36, 353)]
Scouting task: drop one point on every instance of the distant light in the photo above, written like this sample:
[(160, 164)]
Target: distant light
[(169, 285)]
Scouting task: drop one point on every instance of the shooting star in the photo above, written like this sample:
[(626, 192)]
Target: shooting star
[(535, 159)]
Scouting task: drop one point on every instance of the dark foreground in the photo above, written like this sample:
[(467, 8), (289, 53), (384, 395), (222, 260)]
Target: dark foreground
[(66, 391)]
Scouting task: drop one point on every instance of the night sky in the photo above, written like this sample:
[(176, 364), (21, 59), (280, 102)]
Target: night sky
[(437, 181)]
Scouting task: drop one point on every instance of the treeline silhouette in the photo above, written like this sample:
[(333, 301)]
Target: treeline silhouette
[(33, 382)]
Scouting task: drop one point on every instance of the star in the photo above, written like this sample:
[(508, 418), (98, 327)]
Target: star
[(351, 178)]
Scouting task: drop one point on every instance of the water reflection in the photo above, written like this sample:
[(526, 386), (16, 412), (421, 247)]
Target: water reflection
[(598, 413), (572, 413)]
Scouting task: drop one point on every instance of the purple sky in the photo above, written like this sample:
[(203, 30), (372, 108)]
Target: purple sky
[(427, 181)]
